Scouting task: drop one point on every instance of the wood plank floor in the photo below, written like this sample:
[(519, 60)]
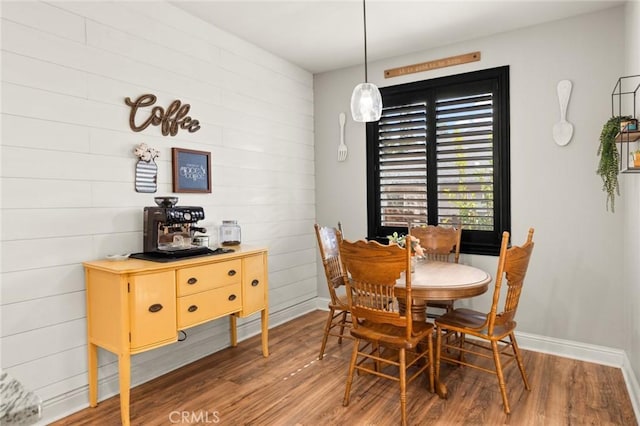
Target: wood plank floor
[(237, 386)]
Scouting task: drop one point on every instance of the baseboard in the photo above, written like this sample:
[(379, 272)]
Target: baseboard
[(632, 386), (570, 349), (78, 399), (322, 303)]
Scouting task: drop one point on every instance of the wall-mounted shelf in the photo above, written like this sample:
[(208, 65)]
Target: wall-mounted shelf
[(623, 103), (627, 137)]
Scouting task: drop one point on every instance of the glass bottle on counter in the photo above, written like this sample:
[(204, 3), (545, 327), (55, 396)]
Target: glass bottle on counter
[(230, 233)]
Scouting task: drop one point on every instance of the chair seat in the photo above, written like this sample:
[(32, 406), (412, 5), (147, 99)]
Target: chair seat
[(392, 336), (473, 322), (443, 304), (342, 303)]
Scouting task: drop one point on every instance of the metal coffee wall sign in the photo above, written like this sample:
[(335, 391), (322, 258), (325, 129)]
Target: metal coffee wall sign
[(170, 120)]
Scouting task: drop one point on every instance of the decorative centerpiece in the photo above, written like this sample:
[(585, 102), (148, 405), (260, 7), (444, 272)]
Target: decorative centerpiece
[(417, 252), (416, 248)]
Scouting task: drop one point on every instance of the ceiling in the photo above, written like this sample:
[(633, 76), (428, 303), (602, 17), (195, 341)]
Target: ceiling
[(324, 35)]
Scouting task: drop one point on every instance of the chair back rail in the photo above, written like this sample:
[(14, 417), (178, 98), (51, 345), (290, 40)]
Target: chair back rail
[(440, 243)]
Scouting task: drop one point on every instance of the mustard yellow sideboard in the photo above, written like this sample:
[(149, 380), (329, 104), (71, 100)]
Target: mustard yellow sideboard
[(137, 305)]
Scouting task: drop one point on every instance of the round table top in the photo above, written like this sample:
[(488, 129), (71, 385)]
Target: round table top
[(433, 280)]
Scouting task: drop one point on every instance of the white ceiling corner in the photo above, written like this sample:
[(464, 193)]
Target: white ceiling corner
[(324, 35)]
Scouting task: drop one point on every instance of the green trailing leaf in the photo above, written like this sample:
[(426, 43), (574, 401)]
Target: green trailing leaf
[(609, 164)]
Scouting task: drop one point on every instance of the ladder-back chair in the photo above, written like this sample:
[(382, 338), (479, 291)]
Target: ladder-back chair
[(492, 327), (441, 243), (328, 243), (372, 271)]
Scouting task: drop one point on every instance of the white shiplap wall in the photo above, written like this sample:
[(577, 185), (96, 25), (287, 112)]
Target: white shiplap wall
[(68, 171)]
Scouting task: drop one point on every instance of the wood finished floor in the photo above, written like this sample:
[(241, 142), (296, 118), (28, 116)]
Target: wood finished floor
[(237, 386)]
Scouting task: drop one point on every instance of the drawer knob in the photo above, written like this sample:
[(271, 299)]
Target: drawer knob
[(255, 283), (231, 272), (192, 308), (155, 307), (192, 280), (232, 297)]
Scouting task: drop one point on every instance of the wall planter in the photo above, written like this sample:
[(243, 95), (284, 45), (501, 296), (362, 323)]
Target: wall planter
[(146, 169), (619, 129)]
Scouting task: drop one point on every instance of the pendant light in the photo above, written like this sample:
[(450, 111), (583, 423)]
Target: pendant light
[(366, 101)]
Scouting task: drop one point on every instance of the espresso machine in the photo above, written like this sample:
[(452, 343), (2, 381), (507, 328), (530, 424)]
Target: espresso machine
[(168, 232)]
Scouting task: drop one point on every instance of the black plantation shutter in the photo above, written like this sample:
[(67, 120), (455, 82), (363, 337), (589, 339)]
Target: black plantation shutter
[(464, 155), (402, 153), (440, 155)]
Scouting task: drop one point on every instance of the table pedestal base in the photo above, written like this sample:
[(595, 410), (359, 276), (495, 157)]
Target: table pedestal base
[(418, 309)]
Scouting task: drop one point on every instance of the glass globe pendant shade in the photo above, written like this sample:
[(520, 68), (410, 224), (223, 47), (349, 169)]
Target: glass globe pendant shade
[(366, 103)]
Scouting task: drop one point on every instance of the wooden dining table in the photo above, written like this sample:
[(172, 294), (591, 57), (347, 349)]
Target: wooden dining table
[(433, 280)]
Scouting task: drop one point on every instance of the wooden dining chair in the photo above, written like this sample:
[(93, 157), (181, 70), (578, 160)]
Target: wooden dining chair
[(441, 243), (339, 316), (492, 327), (372, 270)]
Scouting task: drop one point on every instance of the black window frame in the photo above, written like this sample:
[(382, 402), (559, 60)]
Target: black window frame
[(473, 241)]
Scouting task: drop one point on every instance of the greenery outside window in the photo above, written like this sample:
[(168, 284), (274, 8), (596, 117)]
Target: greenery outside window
[(440, 155)]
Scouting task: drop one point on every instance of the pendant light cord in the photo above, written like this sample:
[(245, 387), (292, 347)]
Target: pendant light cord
[(364, 14)]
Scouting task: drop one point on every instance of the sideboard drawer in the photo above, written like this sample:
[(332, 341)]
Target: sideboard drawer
[(201, 278), (198, 308)]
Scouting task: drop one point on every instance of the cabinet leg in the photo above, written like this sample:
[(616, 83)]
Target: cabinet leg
[(92, 353), (233, 331), (264, 319), (124, 370)]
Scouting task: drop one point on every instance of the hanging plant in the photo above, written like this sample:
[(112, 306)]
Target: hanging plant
[(609, 164)]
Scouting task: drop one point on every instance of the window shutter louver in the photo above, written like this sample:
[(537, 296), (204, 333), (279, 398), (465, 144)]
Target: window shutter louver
[(402, 153), (464, 156)]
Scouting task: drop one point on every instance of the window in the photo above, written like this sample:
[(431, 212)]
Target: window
[(440, 155)]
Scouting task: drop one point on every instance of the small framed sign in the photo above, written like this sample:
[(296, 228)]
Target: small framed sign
[(191, 170)]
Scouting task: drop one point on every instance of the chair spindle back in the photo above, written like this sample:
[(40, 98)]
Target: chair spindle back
[(371, 273), (512, 266)]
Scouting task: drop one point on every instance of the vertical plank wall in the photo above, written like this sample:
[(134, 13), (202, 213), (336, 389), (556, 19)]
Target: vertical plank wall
[(68, 172)]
